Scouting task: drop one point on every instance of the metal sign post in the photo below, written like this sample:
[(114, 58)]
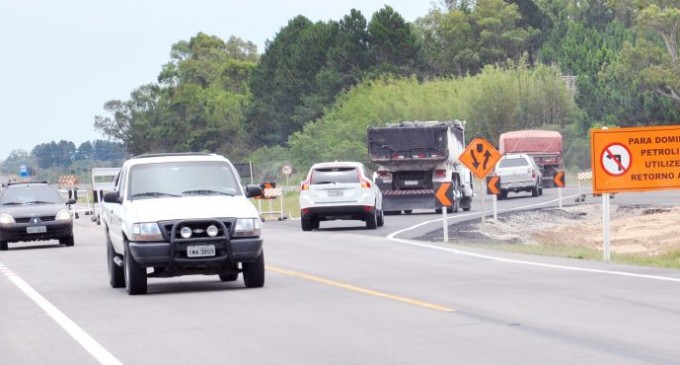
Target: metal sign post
[(444, 196), (605, 227)]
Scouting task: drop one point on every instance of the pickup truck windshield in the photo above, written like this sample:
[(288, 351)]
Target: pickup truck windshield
[(182, 179)]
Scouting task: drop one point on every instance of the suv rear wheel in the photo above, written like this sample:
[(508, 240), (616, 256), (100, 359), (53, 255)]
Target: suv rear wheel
[(253, 272), (135, 275), (372, 220)]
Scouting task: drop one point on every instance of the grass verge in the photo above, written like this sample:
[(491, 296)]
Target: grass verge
[(668, 260)]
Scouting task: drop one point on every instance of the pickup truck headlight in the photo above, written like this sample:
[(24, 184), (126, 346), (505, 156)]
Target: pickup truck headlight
[(248, 227), (6, 218), (146, 232), (63, 215)]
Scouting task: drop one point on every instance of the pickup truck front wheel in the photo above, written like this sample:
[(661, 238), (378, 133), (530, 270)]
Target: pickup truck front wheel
[(135, 275), (253, 272)]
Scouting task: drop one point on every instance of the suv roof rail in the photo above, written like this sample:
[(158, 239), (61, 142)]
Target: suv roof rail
[(146, 155)]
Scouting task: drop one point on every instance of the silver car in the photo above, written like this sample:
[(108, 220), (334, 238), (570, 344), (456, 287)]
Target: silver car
[(519, 173)]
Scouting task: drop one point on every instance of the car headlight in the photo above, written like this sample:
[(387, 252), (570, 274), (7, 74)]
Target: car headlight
[(63, 215), (6, 218), (248, 227), (146, 232)]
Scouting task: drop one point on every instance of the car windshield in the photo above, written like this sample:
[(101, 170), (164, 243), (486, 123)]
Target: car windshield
[(513, 162), (331, 175), (30, 194), (176, 179)]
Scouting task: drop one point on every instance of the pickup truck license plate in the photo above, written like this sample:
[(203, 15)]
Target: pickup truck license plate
[(36, 229), (201, 251)]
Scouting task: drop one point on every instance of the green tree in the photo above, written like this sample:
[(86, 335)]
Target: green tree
[(659, 68), (199, 104), (285, 75), (392, 44), (461, 40)]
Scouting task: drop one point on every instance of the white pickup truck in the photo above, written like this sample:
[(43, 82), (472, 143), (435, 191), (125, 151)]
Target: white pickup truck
[(519, 173)]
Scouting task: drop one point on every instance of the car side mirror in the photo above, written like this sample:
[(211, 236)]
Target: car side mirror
[(70, 201), (253, 190), (112, 197)]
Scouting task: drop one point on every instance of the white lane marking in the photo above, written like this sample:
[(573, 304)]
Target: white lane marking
[(87, 342), (511, 261)]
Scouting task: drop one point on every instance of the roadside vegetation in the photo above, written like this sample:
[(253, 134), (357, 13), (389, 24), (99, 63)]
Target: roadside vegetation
[(668, 260)]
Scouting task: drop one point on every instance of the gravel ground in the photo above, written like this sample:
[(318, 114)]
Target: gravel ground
[(633, 228)]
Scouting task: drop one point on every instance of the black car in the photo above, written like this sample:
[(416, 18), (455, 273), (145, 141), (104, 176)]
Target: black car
[(34, 211)]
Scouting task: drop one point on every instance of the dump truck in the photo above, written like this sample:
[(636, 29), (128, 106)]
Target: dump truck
[(544, 146), (414, 159)]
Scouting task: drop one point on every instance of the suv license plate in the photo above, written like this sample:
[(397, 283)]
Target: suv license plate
[(36, 229), (201, 251)]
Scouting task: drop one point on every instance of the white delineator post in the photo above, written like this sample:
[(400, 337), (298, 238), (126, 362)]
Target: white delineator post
[(559, 196), (446, 224), (605, 227)]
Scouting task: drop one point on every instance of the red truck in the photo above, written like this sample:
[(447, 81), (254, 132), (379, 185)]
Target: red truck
[(544, 146)]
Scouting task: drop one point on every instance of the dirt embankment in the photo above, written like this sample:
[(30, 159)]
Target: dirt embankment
[(633, 229)]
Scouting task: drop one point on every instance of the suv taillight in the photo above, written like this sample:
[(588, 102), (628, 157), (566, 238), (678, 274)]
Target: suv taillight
[(304, 185), (365, 183)]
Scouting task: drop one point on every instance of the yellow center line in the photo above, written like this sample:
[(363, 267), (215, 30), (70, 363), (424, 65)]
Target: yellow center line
[(359, 289)]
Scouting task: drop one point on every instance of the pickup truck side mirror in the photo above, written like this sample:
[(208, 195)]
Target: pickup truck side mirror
[(112, 197), (253, 190)]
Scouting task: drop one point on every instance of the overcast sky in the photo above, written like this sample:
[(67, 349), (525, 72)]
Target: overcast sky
[(62, 60)]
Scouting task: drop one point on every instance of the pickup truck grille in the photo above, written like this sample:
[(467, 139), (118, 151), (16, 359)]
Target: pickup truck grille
[(198, 227)]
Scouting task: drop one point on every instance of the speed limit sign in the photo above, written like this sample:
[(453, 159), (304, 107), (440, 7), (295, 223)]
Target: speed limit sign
[(287, 169)]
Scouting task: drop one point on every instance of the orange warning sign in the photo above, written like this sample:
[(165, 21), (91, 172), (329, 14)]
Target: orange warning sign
[(635, 159), (558, 179), (480, 157), (443, 193), (493, 185)]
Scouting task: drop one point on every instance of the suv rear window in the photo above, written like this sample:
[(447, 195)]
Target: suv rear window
[(513, 162), (328, 175)]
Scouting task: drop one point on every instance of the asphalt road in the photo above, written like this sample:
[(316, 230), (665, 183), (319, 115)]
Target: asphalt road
[(344, 295)]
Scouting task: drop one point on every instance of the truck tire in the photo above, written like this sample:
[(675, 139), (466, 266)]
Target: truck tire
[(135, 275), (116, 275), (253, 272), (3, 245), (503, 195)]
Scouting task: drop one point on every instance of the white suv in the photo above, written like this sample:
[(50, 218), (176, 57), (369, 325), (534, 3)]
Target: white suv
[(179, 214), (340, 190), (519, 172)]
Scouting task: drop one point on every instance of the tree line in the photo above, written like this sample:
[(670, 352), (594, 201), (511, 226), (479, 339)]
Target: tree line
[(64, 155), (497, 64)]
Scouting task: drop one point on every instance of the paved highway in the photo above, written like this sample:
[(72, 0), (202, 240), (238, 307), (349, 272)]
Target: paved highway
[(343, 295)]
